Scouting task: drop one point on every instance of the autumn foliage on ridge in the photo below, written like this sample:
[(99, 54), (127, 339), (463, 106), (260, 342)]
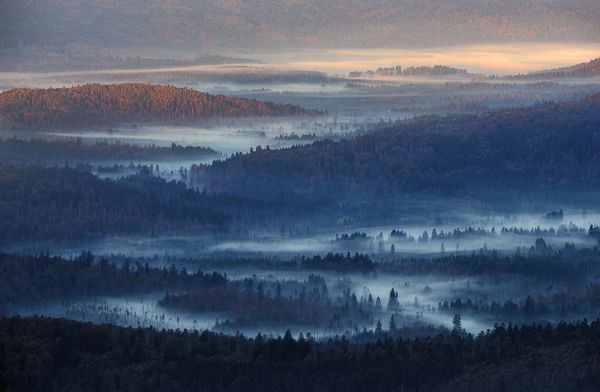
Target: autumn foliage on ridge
[(96, 104)]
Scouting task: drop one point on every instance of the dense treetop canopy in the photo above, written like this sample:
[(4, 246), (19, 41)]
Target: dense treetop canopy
[(96, 104)]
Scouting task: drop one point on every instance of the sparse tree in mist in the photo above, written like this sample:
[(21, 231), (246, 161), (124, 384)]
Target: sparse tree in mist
[(457, 323), (378, 327), (393, 326), (393, 302)]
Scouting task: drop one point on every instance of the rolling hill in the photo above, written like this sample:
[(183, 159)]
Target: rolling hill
[(96, 104), (583, 70)]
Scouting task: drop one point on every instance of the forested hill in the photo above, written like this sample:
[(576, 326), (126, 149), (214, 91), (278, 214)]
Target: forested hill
[(547, 146), (96, 104), (583, 70)]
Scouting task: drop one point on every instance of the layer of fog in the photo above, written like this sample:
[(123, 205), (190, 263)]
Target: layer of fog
[(225, 136), (286, 242), (419, 297)]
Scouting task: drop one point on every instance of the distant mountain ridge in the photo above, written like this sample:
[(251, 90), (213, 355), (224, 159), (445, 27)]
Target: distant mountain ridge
[(96, 104), (57, 62), (583, 70)]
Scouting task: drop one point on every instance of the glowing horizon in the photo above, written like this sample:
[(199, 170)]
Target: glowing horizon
[(488, 59)]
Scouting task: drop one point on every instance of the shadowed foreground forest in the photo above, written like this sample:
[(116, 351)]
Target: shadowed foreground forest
[(59, 355)]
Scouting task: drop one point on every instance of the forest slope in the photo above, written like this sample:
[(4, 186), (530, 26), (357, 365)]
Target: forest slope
[(553, 145), (96, 104), (61, 204), (583, 70)]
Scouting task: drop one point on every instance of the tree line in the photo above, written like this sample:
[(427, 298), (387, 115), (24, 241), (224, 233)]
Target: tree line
[(61, 204), (38, 353), (38, 278), (18, 151)]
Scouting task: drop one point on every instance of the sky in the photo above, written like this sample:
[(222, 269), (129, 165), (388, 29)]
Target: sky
[(488, 36), (275, 25)]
